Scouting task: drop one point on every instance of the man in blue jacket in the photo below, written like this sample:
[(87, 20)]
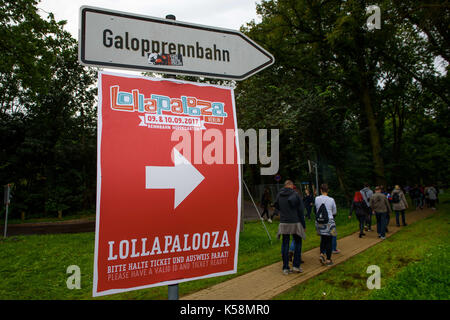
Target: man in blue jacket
[(292, 221)]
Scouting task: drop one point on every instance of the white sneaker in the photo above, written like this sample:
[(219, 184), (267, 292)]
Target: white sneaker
[(297, 270), (287, 271), (270, 220)]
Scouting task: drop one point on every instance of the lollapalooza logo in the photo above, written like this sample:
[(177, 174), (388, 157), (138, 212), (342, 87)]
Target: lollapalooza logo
[(166, 112)]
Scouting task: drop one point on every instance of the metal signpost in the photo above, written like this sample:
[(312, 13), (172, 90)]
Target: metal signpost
[(172, 289)]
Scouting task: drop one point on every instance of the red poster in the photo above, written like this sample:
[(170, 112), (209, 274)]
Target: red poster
[(168, 183)]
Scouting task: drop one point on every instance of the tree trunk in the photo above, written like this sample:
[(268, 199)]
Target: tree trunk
[(374, 137), (340, 176), (59, 214)]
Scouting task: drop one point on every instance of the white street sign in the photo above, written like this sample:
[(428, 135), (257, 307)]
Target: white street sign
[(116, 39)]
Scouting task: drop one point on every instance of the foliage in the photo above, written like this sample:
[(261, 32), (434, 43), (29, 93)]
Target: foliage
[(346, 96), (48, 123)]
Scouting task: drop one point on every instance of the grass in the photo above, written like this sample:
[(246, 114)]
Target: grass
[(414, 264), (34, 267), (427, 279)]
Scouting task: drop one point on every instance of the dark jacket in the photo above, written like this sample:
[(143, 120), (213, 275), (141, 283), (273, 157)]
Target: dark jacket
[(265, 200), (360, 209), (308, 201), (291, 206)]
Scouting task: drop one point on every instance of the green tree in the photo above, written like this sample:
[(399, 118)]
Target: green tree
[(47, 116), (375, 75)]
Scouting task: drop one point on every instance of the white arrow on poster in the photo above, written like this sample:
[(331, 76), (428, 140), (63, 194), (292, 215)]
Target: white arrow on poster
[(116, 39), (183, 177)]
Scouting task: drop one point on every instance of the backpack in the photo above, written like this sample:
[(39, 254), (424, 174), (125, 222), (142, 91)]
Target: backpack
[(396, 197), (322, 214)]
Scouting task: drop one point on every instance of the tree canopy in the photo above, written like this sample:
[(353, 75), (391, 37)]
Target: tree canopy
[(350, 97)]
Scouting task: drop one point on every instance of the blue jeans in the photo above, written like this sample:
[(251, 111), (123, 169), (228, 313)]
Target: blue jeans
[(369, 219), (381, 223), (297, 243), (308, 212), (397, 220), (292, 247), (334, 243)]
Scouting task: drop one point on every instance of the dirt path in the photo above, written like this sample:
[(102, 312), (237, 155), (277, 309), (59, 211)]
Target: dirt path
[(269, 281)]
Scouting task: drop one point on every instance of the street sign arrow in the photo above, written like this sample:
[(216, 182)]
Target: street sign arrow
[(183, 177), (117, 39)]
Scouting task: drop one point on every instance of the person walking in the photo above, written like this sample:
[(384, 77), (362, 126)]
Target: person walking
[(308, 201), (334, 248), (292, 222), (360, 208), (292, 245), (389, 197), (367, 193), (422, 196), (325, 210), (379, 204), (265, 201), (427, 197), (415, 196), (399, 205), (432, 196)]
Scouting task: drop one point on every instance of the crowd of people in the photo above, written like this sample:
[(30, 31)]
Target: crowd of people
[(291, 207)]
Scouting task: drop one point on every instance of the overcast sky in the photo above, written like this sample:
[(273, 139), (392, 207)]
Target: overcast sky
[(231, 14)]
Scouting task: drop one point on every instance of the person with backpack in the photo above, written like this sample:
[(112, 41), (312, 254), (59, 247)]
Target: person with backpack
[(325, 210), (367, 193), (399, 205), (292, 222), (360, 208), (379, 204)]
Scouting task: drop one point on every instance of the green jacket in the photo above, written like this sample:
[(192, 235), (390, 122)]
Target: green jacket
[(379, 203)]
